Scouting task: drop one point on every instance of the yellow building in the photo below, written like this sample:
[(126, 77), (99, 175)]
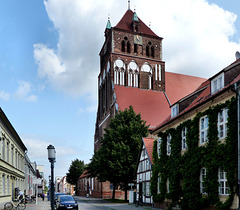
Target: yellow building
[(12, 151), (195, 151)]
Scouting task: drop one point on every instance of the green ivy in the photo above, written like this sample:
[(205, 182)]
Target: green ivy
[(183, 170)]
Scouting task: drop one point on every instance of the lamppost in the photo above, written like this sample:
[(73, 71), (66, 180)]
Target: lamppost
[(51, 158)]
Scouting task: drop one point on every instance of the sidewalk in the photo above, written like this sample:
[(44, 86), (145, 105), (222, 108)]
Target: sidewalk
[(40, 205)]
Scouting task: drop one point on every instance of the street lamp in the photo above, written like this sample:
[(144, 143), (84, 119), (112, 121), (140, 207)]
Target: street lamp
[(51, 158)]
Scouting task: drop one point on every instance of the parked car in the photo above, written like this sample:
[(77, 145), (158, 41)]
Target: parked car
[(56, 194), (66, 202)]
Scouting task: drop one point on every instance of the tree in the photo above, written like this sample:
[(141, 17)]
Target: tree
[(75, 171), (116, 160)]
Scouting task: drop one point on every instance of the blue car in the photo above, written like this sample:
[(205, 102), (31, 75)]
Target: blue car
[(66, 202)]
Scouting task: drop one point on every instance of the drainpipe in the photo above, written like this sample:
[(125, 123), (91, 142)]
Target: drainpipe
[(237, 89)]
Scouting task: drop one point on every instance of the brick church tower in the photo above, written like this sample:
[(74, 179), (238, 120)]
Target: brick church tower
[(132, 73), (131, 56)]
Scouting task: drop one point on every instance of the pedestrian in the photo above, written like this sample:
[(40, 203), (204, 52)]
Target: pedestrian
[(43, 196), (20, 197)]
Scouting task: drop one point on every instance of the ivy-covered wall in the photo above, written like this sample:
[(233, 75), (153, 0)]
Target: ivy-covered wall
[(183, 170)]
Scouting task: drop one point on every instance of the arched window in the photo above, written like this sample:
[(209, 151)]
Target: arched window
[(123, 46), (128, 47), (133, 74), (119, 72), (147, 68)]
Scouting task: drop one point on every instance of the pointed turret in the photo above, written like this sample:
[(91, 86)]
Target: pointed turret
[(108, 27)]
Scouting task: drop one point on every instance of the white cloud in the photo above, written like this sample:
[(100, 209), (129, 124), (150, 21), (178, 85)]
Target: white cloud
[(37, 151), (23, 92), (4, 95), (197, 35), (197, 39)]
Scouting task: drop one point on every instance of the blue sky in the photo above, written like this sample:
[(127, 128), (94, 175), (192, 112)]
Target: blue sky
[(49, 62)]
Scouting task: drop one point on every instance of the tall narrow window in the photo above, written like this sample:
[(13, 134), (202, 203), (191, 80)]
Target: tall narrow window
[(222, 123), (159, 181), (7, 185), (147, 51), (3, 149), (128, 47), (169, 138), (203, 129), (152, 52), (223, 183), (159, 146), (135, 48), (203, 174), (123, 46), (150, 81), (160, 73), (184, 138), (8, 152), (3, 184), (12, 153)]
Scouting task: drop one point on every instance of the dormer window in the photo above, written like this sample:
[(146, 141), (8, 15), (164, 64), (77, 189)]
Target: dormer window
[(174, 110), (217, 83)]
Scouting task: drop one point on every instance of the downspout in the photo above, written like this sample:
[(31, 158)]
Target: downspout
[(237, 89)]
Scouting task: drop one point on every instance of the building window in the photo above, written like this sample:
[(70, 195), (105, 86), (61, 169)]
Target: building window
[(174, 110), (203, 129), (8, 152), (3, 149), (119, 72), (135, 48), (152, 52), (3, 184), (217, 83), (128, 47), (184, 138), (147, 191), (12, 153), (147, 51), (133, 71), (123, 46), (150, 81), (159, 181), (169, 138), (159, 146), (223, 184), (222, 123), (7, 185), (203, 174)]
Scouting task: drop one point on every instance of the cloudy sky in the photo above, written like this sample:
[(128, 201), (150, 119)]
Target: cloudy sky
[(49, 61)]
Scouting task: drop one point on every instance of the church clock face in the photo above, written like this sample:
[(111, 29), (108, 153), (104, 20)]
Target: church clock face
[(137, 39)]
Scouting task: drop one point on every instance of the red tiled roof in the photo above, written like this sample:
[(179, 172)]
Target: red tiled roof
[(152, 105), (126, 21), (148, 142), (203, 97), (180, 85), (84, 174)]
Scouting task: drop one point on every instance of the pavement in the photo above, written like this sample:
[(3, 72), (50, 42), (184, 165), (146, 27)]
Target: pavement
[(45, 205), (39, 205)]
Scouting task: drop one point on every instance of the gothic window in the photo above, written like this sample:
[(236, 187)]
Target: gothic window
[(119, 72), (133, 72), (147, 68), (128, 47)]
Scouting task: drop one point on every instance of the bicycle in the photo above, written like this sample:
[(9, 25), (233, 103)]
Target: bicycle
[(20, 205), (138, 203)]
